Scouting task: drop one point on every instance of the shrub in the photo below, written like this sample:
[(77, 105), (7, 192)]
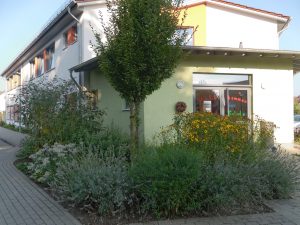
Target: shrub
[(95, 181), (280, 174), (213, 134), (56, 112), (297, 138), (30, 146), (163, 178), (45, 161), (107, 139), (177, 180)]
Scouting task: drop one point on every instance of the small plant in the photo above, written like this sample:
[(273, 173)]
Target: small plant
[(163, 178), (30, 146), (45, 161), (95, 182)]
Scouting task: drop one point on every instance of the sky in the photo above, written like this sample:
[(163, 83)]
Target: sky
[(21, 21)]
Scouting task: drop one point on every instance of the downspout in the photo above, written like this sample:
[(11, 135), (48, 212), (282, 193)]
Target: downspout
[(75, 18), (79, 41), (75, 82)]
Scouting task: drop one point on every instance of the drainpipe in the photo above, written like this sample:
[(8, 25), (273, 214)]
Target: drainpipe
[(75, 18), (80, 35), (75, 82)]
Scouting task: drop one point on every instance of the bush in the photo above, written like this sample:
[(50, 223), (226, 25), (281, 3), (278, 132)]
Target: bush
[(55, 112), (233, 184), (177, 180), (45, 161), (95, 181), (214, 134), (30, 146), (163, 178), (297, 138), (280, 174), (107, 139)]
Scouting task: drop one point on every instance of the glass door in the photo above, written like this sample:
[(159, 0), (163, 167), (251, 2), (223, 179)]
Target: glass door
[(207, 100), (236, 102), (223, 100)]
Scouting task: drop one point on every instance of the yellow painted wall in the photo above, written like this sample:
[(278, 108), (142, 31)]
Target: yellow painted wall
[(196, 17)]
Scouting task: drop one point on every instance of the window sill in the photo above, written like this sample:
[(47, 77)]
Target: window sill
[(125, 110), (48, 71)]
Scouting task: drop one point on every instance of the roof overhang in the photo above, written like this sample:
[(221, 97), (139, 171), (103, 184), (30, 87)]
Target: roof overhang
[(294, 56)]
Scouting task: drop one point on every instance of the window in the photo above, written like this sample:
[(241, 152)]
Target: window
[(39, 65), (222, 94), (12, 113), (188, 33), (43, 62), (14, 81), (49, 57), (32, 69), (220, 79), (70, 36), (126, 106)]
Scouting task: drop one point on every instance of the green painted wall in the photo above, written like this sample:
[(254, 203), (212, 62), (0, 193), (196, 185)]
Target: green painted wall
[(110, 101), (159, 108)]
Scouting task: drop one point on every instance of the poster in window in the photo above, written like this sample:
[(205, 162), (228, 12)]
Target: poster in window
[(207, 106)]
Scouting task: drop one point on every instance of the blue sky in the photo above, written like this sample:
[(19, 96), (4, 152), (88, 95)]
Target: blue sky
[(22, 20)]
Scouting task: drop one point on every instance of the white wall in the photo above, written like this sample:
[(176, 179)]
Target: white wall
[(64, 58), (91, 18), (272, 98), (227, 28), (2, 102)]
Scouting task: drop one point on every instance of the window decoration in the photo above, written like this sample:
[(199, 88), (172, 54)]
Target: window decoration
[(70, 36), (49, 57)]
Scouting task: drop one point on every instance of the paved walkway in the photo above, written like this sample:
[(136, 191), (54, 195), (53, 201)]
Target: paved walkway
[(22, 201)]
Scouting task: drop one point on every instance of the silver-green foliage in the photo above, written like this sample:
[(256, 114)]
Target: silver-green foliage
[(95, 181), (177, 180), (44, 162)]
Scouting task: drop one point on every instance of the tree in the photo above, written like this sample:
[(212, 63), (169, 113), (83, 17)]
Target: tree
[(296, 105), (141, 50)]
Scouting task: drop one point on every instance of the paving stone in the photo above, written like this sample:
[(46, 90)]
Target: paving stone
[(22, 201)]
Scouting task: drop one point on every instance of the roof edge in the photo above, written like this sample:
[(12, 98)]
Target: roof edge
[(48, 26)]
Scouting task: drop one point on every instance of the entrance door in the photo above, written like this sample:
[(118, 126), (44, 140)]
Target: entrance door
[(223, 100)]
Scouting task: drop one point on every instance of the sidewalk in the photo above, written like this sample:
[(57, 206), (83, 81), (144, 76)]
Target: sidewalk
[(23, 202)]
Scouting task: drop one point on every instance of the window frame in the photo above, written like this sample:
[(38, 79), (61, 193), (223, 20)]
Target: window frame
[(42, 55), (192, 35), (66, 33)]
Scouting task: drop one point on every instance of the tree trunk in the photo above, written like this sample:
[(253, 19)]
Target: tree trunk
[(134, 128)]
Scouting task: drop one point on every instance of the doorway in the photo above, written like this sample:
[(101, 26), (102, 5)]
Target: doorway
[(223, 99)]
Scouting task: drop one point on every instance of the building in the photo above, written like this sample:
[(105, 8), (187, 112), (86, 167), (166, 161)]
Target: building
[(63, 43), (234, 65)]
